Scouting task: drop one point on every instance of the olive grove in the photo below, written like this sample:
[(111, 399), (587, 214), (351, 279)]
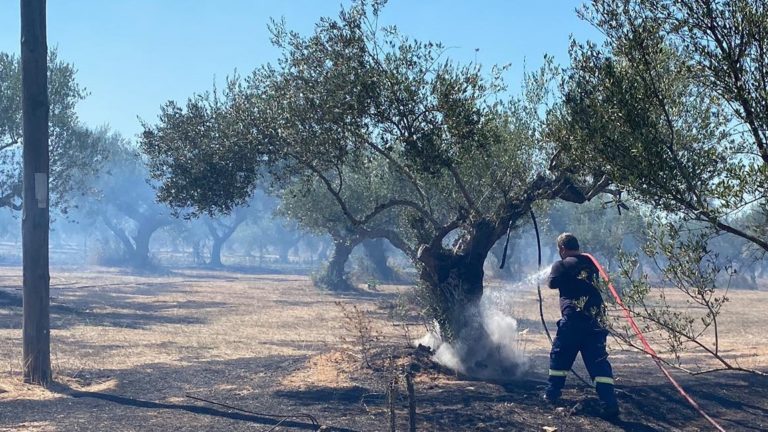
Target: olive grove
[(405, 145)]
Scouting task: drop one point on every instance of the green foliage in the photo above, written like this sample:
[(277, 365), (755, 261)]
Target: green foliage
[(381, 133), (75, 152), (672, 107), (688, 265), (213, 167), (602, 227), (352, 109)]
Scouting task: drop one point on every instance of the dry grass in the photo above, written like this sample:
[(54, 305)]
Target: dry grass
[(237, 337), (158, 338), (742, 334), (118, 325), (331, 369)]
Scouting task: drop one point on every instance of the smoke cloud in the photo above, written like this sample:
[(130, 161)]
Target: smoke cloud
[(490, 346)]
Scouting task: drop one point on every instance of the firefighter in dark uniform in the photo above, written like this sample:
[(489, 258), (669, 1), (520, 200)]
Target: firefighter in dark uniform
[(580, 329)]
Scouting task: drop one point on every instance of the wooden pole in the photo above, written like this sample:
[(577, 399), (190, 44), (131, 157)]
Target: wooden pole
[(411, 401), (35, 218), (391, 401)]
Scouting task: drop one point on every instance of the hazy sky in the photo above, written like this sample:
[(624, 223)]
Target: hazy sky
[(133, 55)]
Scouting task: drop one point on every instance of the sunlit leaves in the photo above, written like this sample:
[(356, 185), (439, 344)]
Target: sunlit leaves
[(367, 114), (663, 106), (75, 154)]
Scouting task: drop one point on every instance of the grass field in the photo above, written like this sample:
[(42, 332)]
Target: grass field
[(128, 350)]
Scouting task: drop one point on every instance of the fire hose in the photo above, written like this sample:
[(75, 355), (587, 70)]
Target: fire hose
[(538, 286), (541, 300), (647, 347), (627, 315)]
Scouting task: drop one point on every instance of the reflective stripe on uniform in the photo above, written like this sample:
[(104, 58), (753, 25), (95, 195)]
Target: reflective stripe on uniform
[(553, 372), (603, 380)]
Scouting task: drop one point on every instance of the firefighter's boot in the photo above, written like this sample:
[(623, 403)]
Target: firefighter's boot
[(608, 401)]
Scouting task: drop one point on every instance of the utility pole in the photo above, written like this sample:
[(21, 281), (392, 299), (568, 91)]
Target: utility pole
[(35, 218)]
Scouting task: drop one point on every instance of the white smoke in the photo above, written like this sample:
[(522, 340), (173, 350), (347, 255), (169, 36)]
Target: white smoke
[(490, 346)]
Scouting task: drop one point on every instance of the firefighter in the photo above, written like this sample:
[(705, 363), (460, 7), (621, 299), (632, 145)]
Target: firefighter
[(581, 328)]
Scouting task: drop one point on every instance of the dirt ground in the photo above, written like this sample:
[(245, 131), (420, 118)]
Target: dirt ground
[(137, 353)]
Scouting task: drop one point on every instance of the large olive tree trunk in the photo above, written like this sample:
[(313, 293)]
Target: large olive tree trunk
[(453, 279), (334, 275), (452, 285), (375, 251)]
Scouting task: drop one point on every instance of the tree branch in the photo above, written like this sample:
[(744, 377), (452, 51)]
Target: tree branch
[(393, 238), (129, 210), (738, 83), (8, 144), (730, 229), (7, 200), (686, 370), (119, 233), (402, 169), (706, 216), (463, 188), (599, 187), (690, 339), (399, 202), (670, 143), (376, 211), (336, 195), (437, 240)]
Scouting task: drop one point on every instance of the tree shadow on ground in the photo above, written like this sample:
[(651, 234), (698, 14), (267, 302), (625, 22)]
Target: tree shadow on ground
[(226, 273), (9, 300), (737, 400), (277, 269), (444, 403), (202, 395), (364, 294), (256, 418), (322, 395), (124, 310)]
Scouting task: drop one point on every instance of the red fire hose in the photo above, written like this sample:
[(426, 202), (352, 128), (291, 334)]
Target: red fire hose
[(647, 347)]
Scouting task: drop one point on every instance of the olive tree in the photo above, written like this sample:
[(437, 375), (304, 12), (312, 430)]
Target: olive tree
[(672, 108), (447, 161), (121, 197), (314, 207), (221, 229), (75, 151)]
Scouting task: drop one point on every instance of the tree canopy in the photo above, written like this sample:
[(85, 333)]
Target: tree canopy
[(673, 107), (389, 128), (75, 152)]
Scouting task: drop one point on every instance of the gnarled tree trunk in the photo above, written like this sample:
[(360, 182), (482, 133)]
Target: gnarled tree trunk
[(452, 282), (377, 255), (137, 246), (453, 279), (334, 276), (221, 231)]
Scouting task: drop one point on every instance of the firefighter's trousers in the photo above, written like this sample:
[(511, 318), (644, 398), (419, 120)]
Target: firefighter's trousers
[(586, 336)]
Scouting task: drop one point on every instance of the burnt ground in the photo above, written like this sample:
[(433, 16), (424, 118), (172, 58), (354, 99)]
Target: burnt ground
[(129, 350)]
